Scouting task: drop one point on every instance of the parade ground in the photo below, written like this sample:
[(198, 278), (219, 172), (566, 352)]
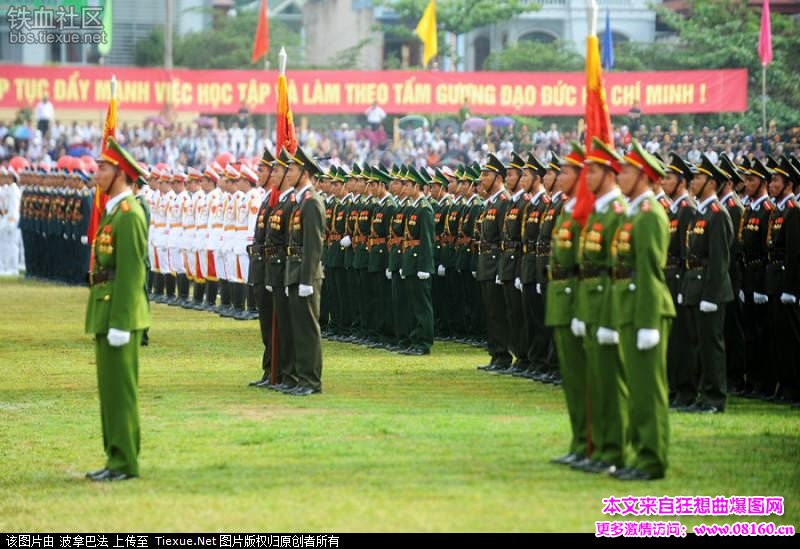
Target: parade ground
[(393, 443)]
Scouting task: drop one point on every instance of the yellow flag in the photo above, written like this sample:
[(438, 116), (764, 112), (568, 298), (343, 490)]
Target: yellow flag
[(426, 30)]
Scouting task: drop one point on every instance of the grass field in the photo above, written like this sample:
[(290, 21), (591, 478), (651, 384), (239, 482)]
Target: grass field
[(393, 444)]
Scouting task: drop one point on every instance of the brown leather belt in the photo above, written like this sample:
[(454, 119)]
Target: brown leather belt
[(591, 271), (359, 239), (623, 273), (562, 273), (410, 244), (99, 278)]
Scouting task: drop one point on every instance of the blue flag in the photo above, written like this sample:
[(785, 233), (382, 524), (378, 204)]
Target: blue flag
[(608, 45)]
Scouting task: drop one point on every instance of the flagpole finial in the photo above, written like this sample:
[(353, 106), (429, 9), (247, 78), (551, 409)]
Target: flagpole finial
[(591, 17), (113, 87), (282, 61)]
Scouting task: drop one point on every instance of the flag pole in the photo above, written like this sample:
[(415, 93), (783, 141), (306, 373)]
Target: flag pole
[(764, 98)]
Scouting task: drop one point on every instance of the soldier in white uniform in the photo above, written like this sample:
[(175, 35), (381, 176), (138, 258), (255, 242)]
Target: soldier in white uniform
[(209, 260), (187, 240), (165, 282), (152, 202), (229, 293), (199, 236), (175, 237), (9, 217)]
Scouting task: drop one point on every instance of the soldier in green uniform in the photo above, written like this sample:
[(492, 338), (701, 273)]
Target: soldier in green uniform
[(608, 392), (783, 278), (362, 293), (304, 276), (141, 198), (642, 309), (352, 207), (707, 286), (443, 311), (681, 356), (401, 320), (752, 237), (379, 233), (417, 266), (493, 173), (118, 311), (258, 269), (465, 262), (734, 333), (275, 276), (448, 271), (560, 306), (334, 271)]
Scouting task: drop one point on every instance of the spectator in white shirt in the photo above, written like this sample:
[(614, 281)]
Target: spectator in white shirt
[(375, 116), (45, 114)]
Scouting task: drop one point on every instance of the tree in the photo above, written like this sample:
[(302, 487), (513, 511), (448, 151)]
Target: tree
[(455, 16), (535, 56), (149, 51)]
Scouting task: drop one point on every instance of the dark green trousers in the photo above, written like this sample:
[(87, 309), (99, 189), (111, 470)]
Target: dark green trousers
[(400, 311), (286, 358), (117, 381), (517, 329), (496, 322), (353, 297), (343, 317), (264, 304), (332, 275), (608, 400), (573, 372), (304, 313), (363, 300), (381, 294), (648, 405), (681, 359), (707, 335), (419, 298)]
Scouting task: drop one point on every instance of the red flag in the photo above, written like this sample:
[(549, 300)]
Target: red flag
[(100, 198), (261, 43), (598, 123), (765, 36), (285, 137)]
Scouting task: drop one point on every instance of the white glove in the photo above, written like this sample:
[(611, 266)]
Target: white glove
[(84, 240), (760, 299), (679, 299), (539, 288), (647, 338), (474, 274), (441, 270), (286, 291), (578, 327), (518, 284), (498, 281), (607, 336), (422, 275), (401, 274), (269, 288), (304, 291), (788, 299), (741, 296), (118, 338), (345, 241), (388, 274), (65, 236), (708, 307)]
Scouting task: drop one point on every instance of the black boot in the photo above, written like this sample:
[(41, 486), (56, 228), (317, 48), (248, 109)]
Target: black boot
[(237, 297), (183, 291), (252, 306), (199, 293), (211, 295), (170, 282), (224, 297), (158, 288), (151, 276)]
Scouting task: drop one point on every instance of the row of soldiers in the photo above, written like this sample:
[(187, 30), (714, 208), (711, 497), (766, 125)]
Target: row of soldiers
[(10, 207)]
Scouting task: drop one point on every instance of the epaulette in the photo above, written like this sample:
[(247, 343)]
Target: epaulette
[(546, 199), (791, 204), (503, 197), (731, 203), (646, 206), (526, 197), (307, 195), (617, 207), (769, 206), (714, 207), (124, 206)]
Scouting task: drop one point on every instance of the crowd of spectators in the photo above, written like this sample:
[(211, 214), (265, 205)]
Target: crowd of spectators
[(343, 144)]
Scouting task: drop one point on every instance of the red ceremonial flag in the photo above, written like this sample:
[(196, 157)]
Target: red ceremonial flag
[(598, 122), (100, 198), (765, 36), (261, 43), (285, 137)]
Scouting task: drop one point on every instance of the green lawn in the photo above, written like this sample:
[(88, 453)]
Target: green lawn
[(393, 444)]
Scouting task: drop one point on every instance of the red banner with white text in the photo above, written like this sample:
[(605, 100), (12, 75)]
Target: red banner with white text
[(351, 92)]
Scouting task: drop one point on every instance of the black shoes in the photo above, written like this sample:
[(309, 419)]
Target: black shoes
[(303, 391), (107, 475), (631, 473), (567, 459), (415, 351), (701, 408), (259, 382)]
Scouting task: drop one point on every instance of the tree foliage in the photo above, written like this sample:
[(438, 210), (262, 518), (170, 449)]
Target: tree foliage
[(535, 56)]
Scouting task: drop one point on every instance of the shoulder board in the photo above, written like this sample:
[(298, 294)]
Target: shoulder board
[(646, 206), (124, 206), (731, 203), (683, 203), (769, 206), (617, 207), (546, 199), (791, 204), (307, 195), (526, 197), (714, 207), (503, 197)]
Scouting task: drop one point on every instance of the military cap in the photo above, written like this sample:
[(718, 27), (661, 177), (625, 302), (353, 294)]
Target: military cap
[(356, 170), (555, 163), (604, 154), (533, 164), (283, 159), (394, 171), (231, 172), (792, 168), (416, 177), (439, 178), (493, 164), (114, 154), (211, 173), (776, 167), (267, 157), (707, 167), (249, 174), (795, 162), (679, 166), (644, 161), (516, 162), (305, 161), (194, 173), (576, 156), (729, 168), (758, 169), (379, 175)]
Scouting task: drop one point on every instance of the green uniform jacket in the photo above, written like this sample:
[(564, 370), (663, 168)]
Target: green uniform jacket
[(351, 206), (328, 202), (397, 234), (120, 247), (783, 247), (304, 249), (533, 214), (562, 287), (640, 295), (735, 211), (418, 253), (752, 236), (338, 229), (708, 248), (465, 250), (363, 218), (380, 231), (511, 244), (491, 236), (595, 260), (679, 220), (257, 268), (277, 239), (451, 224)]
